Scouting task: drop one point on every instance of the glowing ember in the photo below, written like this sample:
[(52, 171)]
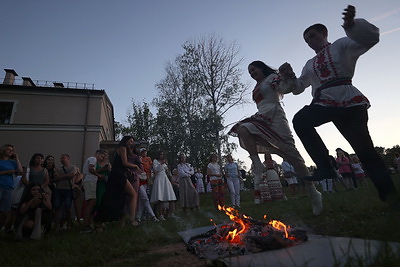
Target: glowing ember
[(243, 236)]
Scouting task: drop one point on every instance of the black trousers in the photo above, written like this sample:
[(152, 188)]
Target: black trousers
[(352, 124)]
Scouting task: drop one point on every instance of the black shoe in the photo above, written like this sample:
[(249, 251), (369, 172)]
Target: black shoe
[(321, 174)]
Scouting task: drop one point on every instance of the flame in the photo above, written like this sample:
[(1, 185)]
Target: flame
[(211, 220), (234, 236), (280, 226)]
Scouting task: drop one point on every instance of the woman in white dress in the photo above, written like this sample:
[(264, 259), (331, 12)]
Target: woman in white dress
[(162, 188), (199, 181), (189, 197), (268, 130)]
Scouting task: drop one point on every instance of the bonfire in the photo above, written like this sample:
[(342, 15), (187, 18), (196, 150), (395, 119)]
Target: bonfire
[(244, 235)]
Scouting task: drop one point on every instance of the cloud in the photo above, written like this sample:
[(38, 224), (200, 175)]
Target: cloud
[(387, 14)]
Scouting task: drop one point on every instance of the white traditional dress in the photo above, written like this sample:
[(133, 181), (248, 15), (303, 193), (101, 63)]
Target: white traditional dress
[(199, 182), (188, 195), (162, 187), (272, 179), (270, 122)]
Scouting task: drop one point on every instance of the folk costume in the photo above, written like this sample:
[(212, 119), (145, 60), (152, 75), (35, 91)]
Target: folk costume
[(189, 197), (271, 126), (337, 100)]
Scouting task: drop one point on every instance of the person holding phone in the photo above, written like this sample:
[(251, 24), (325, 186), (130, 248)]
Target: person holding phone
[(9, 166), (34, 203)]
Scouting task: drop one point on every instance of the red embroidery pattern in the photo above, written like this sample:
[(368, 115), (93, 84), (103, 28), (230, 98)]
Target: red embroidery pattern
[(257, 96), (333, 103), (323, 65)]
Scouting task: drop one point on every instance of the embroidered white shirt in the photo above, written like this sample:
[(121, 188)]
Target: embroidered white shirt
[(337, 61)]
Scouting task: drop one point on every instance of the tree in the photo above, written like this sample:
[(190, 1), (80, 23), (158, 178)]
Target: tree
[(389, 155), (380, 150), (118, 129), (218, 74), (139, 124), (199, 87), (180, 106)]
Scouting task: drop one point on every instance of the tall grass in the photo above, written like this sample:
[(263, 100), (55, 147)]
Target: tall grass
[(358, 214)]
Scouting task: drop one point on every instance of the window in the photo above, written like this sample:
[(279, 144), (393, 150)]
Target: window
[(6, 108)]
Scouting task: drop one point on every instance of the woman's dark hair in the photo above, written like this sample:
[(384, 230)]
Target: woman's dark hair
[(321, 28), (159, 153), (211, 156), (132, 150), (45, 162), (32, 161), (267, 70), (347, 155), (124, 140), (26, 195), (180, 155)]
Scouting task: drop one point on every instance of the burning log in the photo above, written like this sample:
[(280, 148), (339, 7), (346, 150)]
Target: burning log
[(244, 235)]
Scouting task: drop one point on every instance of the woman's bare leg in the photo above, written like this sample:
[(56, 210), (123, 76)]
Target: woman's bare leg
[(133, 200), (171, 210), (249, 141)]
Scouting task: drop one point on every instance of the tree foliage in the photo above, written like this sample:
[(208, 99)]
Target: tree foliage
[(199, 87), (388, 154), (218, 78), (139, 123)]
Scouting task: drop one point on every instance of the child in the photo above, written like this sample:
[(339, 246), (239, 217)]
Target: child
[(358, 171)]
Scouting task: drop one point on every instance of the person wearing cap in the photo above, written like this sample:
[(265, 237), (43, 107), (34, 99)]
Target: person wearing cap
[(147, 164)]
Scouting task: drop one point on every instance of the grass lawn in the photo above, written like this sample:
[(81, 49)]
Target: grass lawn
[(358, 214)]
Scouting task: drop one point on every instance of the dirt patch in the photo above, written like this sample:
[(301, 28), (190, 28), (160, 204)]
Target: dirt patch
[(176, 255)]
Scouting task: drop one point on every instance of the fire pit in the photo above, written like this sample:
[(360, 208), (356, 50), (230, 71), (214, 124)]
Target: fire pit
[(242, 236), (234, 244)]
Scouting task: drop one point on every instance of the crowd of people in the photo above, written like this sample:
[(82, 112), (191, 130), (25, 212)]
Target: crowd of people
[(45, 197), (131, 188)]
